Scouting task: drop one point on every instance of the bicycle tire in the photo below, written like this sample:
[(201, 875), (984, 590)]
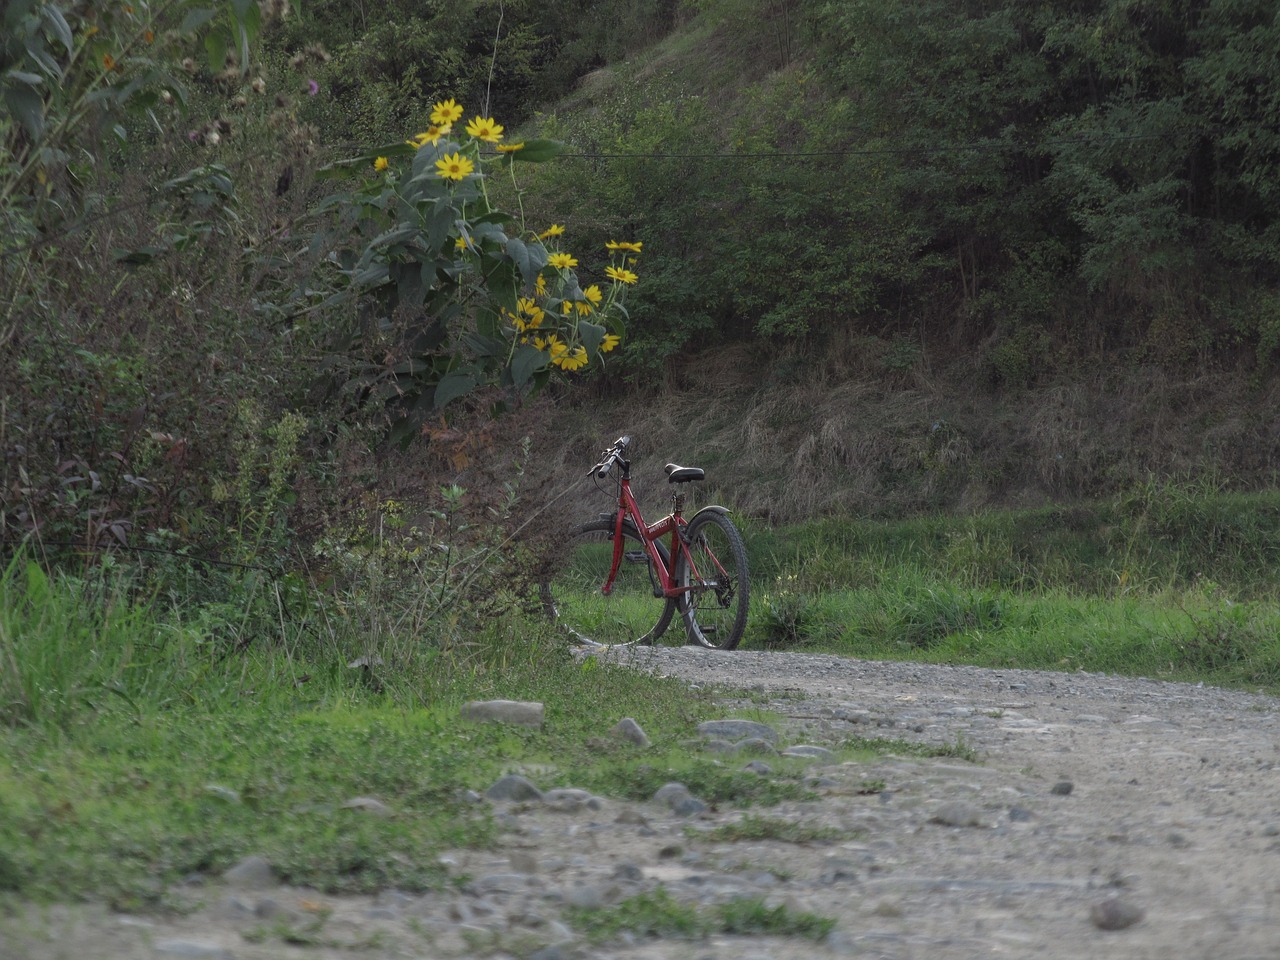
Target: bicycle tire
[(631, 613), (715, 608)]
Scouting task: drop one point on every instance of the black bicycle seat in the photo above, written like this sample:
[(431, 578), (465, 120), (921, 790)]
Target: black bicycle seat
[(679, 474)]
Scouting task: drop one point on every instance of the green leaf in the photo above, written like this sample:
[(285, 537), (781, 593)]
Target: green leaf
[(529, 260), (592, 335), (61, 29), (25, 104), (215, 45), (454, 385), (536, 151), (196, 19), (527, 361), (485, 346), (30, 79)]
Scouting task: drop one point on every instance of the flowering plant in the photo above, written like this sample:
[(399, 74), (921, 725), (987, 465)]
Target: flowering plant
[(453, 294)]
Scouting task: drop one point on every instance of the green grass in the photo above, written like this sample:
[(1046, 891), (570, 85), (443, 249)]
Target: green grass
[(135, 753), (1177, 581), (657, 914), (753, 827)]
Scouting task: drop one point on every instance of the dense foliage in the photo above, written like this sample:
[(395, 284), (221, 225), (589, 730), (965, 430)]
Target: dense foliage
[(1093, 176), (1018, 185)]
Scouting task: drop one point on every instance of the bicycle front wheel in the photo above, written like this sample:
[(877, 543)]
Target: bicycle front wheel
[(714, 569), (631, 612)]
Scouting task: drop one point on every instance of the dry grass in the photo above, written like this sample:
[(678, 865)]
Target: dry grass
[(883, 444)]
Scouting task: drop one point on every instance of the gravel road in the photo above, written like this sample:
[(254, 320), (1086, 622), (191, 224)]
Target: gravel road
[(1083, 816)]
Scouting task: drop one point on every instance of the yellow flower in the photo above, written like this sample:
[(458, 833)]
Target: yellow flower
[(446, 112), (616, 245), (570, 361), (510, 147), (552, 231), (149, 36), (551, 344), (583, 308), (108, 61), (562, 260), (623, 276), (454, 167), (593, 294), (566, 307), (540, 286), (430, 135), (380, 164), (610, 341), (530, 309), (483, 128)]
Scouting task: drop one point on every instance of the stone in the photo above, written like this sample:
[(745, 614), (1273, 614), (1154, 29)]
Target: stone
[(369, 805), (809, 750), (522, 861), (251, 873), (567, 799), (627, 729), (957, 814), (513, 787), (758, 766), (669, 793), (222, 793), (517, 712), (736, 730), (1062, 788), (1115, 913)]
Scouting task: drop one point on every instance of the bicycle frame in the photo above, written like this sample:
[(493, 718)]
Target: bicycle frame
[(650, 536)]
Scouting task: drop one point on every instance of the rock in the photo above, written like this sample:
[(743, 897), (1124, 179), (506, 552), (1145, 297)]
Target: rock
[(503, 711), (522, 861), (689, 806), (736, 730), (627, 729), (957, 814), (570, 800), (513, 787), (222, 793), (669, 793), (755, 746), (251, 873), (368, 805), (758, 766), (809, 750), (1062, 788), (1115, 914)]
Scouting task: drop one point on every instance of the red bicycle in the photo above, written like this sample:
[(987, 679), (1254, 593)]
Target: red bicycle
[(618, 565)]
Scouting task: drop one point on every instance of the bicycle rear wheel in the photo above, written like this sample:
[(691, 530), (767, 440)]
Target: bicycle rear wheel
[(630, 613), (714, 568)]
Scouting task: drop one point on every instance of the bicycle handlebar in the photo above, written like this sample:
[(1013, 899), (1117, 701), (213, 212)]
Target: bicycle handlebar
[(610, 457)]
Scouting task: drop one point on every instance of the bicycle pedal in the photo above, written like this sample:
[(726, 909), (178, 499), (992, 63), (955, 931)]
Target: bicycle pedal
[(636, 556)]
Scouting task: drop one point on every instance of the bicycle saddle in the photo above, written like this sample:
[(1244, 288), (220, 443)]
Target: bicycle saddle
[(679, 474)]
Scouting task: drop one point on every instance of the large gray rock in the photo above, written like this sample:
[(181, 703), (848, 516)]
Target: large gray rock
[(627, 729), (513, 787), (251, 873)]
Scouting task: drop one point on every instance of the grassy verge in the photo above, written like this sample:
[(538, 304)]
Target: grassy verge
[(137, 754), (1173, 582)]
